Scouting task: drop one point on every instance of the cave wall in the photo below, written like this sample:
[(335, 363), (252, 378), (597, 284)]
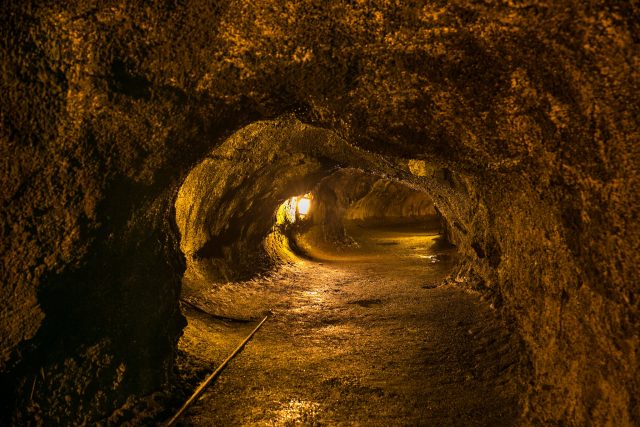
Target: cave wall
[(356, 194), (530, 106), (332, 197), (389, 201), (582, 343)]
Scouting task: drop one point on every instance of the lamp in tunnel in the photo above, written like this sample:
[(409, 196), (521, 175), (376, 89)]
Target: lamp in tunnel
[(294, 208), (304, 204)]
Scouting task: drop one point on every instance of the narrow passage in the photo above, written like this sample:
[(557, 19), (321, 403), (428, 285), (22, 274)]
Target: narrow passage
[(370, 335)]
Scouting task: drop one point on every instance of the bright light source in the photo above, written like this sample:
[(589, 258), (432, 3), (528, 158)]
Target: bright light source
[(304, 204)]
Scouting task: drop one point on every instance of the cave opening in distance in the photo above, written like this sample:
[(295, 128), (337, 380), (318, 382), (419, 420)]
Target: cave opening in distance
[(359, 280)]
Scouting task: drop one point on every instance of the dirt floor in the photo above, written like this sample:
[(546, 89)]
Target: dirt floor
[(370, 335)]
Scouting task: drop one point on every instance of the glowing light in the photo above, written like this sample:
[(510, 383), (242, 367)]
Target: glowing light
[(304, 204)]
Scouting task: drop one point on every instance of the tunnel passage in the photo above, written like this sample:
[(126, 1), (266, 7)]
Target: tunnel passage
[(343, 281), (227, 205), (352, 196)]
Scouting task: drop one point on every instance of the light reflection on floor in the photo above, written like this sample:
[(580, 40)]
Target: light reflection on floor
[(297, 412)]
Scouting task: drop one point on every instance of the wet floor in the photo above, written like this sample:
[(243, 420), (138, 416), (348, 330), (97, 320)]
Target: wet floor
[(367, 336)]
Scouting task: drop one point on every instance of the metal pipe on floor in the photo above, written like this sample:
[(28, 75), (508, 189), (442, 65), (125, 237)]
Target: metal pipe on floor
[(210, 378)]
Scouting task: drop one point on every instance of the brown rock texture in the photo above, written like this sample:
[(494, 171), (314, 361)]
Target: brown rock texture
[(391, 202), (523, 117)]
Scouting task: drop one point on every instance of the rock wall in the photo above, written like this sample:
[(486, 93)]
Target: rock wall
[(389, 201), (355, 194), (332, 198), (524, 114)]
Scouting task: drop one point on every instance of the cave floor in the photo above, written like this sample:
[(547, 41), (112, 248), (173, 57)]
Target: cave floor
[(368, 336)]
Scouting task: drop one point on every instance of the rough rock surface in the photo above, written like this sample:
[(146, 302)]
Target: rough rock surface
[(524, 114), (391, 201), (353, 194)]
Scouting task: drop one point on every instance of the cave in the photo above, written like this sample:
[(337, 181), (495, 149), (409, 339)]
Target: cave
[(467, 248)]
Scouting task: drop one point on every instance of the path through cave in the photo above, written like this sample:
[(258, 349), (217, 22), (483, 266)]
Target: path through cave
[(366, 335)]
